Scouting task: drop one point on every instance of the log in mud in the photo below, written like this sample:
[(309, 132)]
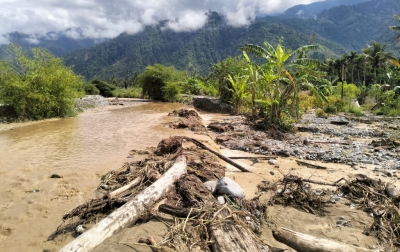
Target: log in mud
[(307, 243), (130, 212)]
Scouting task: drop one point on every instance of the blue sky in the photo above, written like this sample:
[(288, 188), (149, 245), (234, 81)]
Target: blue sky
[(108, 18)]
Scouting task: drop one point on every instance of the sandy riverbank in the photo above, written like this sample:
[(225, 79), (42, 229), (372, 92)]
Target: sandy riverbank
[(357, 221), (323, 227)]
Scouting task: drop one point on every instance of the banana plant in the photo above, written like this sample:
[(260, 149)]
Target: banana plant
[(238, 89), (284, 85)]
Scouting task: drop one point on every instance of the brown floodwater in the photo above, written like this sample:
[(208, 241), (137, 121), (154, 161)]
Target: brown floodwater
[(81, 150)]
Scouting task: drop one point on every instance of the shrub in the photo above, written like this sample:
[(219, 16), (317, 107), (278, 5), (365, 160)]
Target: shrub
[(154, 78), (91, 89), (356, 111), (335, 104), (171, 91), (38, 86), (105, 88), (133, 92), (307, 101), (321, 113)]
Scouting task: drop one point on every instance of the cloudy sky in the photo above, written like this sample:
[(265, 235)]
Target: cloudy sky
[(109, 18)]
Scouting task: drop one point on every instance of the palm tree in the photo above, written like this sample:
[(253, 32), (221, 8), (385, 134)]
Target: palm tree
[(396, 28), (376, 56)]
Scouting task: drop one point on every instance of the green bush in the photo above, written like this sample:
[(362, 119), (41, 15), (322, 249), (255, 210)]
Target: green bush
[(356, 111), (38, 85), (335, 104), (133, 92), (321, 113), (172, 92), (105, 88), (91, 89), (155, 78)]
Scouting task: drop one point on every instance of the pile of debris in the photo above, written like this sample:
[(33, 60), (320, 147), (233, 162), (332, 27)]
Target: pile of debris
[(210, 210), (379, 200), (188, 118)]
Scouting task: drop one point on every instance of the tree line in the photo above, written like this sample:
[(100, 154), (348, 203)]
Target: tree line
[(273, 85)]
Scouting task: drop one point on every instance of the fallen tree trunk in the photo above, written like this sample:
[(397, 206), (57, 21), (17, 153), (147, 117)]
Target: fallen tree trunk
[(307, 243), (128, 213)]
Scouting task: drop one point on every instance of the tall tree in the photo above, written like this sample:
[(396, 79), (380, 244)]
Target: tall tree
[(376, 56)]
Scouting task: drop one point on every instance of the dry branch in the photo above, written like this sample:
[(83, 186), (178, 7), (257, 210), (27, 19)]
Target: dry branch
[(133, 183), (130, 212), (309, 165), (179, 211), (226, 159), (256, 157)]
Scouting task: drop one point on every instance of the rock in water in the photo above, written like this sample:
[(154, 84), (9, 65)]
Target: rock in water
[(227, 186)]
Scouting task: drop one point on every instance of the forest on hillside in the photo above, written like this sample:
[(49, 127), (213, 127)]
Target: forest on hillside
[(337, 31)]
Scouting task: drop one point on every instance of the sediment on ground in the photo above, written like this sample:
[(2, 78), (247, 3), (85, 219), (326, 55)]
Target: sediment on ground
[(187, 217)]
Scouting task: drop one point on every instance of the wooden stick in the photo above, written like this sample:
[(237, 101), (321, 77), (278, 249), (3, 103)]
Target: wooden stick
[(179, 211), (309, 165), (133, 183), (296, 179), (257, 157), (229, 161), (307, 243), (322, 142), (128, 213)]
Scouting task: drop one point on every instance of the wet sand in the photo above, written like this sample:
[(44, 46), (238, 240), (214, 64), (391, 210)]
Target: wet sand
[(277, 216)]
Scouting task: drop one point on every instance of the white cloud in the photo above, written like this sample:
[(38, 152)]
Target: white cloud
[(107, 19)]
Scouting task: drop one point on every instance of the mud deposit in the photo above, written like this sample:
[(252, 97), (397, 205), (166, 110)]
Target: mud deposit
[(335, 179)]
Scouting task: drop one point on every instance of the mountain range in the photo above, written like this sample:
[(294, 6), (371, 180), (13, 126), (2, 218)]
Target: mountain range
[(313, 9), (347, 26)]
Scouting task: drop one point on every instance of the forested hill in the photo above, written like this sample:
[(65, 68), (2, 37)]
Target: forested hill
[(313, 9), (339, 30), (353, 26), (192, 51)]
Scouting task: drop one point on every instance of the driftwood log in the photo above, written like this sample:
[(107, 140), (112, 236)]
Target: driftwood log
[(130, 212), (307, 243), (230, 236)]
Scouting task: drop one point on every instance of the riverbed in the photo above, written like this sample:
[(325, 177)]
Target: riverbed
[(83, 148)]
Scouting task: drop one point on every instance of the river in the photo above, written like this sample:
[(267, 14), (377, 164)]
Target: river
[(81, 150)]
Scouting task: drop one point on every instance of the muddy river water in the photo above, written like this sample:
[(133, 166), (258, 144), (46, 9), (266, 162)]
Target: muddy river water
[(79, 149)]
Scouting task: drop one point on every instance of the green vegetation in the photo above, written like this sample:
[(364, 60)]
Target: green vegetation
[(273, 83), (105, 89), (37, 85), (161, 83)]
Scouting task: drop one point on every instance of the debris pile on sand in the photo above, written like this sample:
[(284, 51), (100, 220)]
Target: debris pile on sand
[(188, 118), (199, 215)]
